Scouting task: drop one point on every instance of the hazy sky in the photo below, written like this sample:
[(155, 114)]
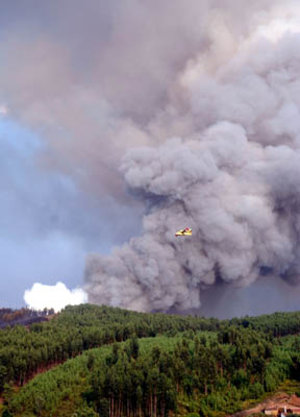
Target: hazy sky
[(48, 224), (128, 119)]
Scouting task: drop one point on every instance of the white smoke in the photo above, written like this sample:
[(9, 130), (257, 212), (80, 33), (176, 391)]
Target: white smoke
[(57, 296)]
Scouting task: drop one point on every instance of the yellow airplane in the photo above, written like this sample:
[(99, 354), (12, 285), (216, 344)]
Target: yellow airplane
[(184, 232)]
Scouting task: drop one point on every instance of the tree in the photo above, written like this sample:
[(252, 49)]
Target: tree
[(134, 347), (8, 392), (90, 361)]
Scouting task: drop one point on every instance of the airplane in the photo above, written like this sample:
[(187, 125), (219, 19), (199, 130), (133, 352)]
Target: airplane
[(184, 232)]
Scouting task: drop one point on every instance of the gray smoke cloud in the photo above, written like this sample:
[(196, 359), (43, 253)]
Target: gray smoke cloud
[(185, 112), (230, 169)]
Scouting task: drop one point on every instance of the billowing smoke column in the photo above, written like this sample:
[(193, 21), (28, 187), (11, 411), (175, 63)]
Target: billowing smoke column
[(228, 166)]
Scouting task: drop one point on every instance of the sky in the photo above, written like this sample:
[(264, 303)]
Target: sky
[(47, 224), (121, 122)]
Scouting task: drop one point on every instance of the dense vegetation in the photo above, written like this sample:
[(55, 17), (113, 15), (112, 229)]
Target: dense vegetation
[(277, 324), (192, 365), (188, 373), (24, 316), (26, 351)]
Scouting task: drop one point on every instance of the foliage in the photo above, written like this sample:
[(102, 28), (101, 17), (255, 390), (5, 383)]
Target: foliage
[(26, 351), (207, 368)]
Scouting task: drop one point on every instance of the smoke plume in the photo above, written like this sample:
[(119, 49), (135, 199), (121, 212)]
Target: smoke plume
[(232, 173)]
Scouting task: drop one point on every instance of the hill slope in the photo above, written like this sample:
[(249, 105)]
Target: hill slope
[(26, 351), (210, 369)]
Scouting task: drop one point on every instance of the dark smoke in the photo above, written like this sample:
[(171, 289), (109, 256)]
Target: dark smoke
[(232, 175)]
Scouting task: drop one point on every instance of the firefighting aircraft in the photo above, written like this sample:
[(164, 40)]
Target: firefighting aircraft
[(184, 232)]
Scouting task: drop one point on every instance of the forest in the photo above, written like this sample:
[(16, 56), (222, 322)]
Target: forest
[(24, 316), (25, 351), (132, 364)]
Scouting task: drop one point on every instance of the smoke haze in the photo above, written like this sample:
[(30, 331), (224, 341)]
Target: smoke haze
[(156, 116)]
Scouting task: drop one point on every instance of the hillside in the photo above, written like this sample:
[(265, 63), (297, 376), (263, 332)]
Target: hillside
[(187, 373), (188, 365), (23, 316), (24, 351)]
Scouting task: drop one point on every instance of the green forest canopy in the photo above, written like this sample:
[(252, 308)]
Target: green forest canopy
[(199, 365)]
